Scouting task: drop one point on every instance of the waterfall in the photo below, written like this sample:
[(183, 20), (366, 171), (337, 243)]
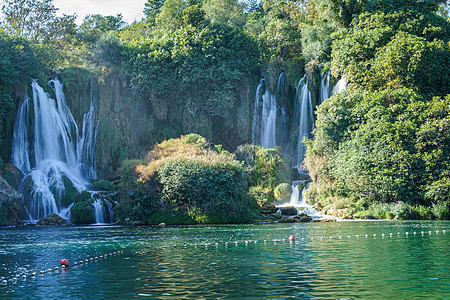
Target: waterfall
[(340, 86), (269, 125), (99, 211), (325, 87), (20, 147), (57, 153), (303, 120)]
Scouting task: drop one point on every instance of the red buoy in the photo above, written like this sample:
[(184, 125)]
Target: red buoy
[(64, 262), (291, 238)]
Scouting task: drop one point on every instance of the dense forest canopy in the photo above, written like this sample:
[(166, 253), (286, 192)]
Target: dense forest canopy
[(385, 139)]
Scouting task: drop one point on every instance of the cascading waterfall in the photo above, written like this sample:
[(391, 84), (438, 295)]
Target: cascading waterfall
[(99, 211), (57, 154), (340, 86), (303, 120), (325, 87), (269, 125)]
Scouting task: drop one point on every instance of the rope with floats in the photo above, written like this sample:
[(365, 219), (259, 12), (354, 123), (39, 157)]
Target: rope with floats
[(64, 263)]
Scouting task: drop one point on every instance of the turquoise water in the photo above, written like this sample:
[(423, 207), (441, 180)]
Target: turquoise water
[(237, 262)]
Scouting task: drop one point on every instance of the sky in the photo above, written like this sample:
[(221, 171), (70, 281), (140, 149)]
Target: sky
[(131, 10)]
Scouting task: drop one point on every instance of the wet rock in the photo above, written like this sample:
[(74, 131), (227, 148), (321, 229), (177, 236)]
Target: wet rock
[(267, 209), (53, 219), (11, 206), (288, 211), (12, 175), (305, 218)]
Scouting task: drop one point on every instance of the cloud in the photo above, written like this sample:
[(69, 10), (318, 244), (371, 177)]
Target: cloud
[(131, 10)]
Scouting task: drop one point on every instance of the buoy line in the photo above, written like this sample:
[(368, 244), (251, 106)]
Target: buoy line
[(291, 239), (64, 264)]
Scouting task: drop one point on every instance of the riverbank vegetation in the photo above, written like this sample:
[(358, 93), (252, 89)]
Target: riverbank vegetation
[(379, 149)]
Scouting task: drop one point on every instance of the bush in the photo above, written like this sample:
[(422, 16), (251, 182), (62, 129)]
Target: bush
[(183, 181), (282, 192), (266, 167), (82, 212), (441, 210)]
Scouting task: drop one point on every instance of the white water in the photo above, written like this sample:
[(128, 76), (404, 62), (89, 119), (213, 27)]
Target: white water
[(269, 125), (304, 117), (298, 200), (99, 210), (325, 87), (57, 150), (340, 86)]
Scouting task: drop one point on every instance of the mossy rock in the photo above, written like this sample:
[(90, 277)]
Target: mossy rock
[(52, 219), (70, 192), (282, 192), (12, 175), (82, 212), (11, 207), (102, 185), (288, 211)]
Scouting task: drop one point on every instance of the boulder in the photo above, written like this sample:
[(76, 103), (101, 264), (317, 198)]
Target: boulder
[(52, 219), (288, 211), (11, 206), (267, 209), (12, 175)]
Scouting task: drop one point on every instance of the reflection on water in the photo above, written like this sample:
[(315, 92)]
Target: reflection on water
[(239, 261)]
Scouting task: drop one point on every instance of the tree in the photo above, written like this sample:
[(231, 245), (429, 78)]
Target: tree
[(36, 20), (171, 15), (227, 12), (152, 9), (94, 26)]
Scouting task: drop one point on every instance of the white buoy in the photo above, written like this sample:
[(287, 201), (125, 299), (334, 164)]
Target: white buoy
[(422, 232), (75, 263), (340, 237), (429, 232), (357, 235), (312, 239), (41, 272), (331, 237), (437, 231), (366, 236), (382, 235), (4, 281), (49, 270), (321, 238), (33, 274), (91, 259), (414, 233), (374, 235), (303, 239), (443, 231), (24, 276), (56, 268)]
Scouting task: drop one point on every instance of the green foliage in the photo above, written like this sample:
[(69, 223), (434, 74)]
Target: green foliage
[(108, 50), (18, 64), (282, 192), (407, 47), (266, 168), (185, 181), (382, 146), (199, 67), (227, 12), (82, 210), (36, 20)]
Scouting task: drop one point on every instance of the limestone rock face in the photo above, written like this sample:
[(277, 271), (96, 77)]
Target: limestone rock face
[(11, 206)]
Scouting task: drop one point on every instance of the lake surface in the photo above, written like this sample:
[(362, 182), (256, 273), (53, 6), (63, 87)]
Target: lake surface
[(237, 262)]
